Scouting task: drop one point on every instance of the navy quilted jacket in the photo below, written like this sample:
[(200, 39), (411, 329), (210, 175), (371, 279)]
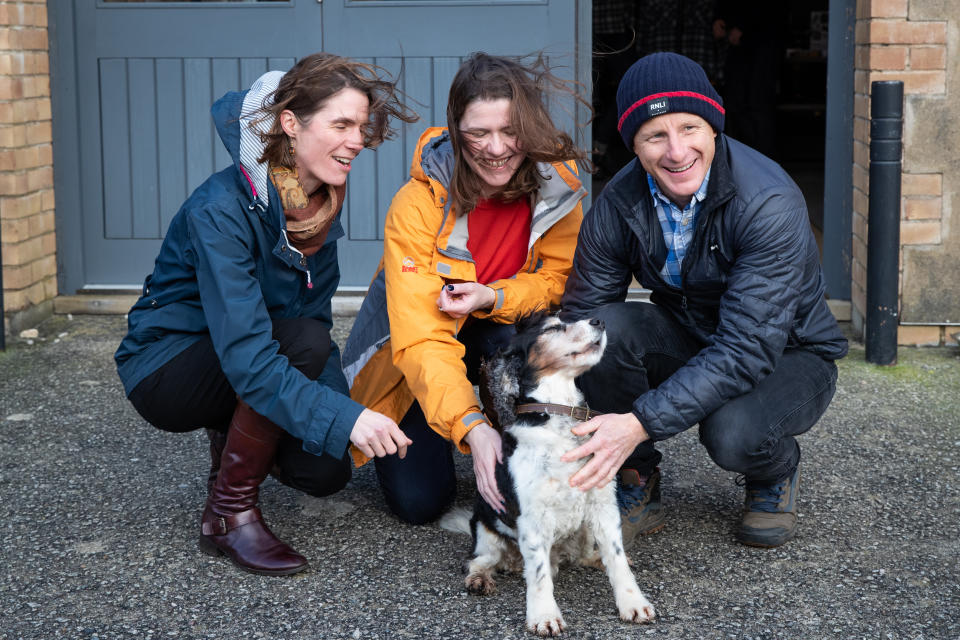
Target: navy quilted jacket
[(752, 283)]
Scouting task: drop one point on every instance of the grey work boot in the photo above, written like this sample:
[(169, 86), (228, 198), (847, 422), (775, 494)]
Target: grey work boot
[(770, 512), (639, 500)]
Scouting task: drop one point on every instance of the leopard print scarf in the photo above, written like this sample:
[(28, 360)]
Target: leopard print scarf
[(308, 218)]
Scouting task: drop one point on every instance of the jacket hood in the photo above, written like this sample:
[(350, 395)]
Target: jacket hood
[(233, 115)]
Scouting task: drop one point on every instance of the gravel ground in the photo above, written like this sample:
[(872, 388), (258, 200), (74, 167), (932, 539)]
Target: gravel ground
[(99, 517)]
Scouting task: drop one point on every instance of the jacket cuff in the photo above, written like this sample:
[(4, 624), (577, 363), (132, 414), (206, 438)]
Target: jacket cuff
[(493, 312), (463, 425), (337, 436), (651, 425)]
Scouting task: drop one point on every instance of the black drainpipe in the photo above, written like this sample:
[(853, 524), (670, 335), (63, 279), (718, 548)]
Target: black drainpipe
[(883, 220)]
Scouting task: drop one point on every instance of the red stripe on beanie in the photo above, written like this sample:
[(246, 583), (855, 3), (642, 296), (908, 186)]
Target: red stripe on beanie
[(669, 94)]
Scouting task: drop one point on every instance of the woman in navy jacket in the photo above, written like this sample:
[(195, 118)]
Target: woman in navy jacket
[(232, 331)]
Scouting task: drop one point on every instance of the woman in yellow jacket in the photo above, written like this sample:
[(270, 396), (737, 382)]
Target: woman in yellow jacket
[(483, 233)]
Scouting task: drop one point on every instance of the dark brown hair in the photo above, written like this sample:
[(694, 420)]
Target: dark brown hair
[(314, 80), (526, 86)]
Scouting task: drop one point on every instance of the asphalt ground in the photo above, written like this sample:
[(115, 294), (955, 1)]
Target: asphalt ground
[(99, 515)]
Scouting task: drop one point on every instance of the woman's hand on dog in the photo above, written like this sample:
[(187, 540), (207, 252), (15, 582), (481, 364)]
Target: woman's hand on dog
[(485, 447), (615, 436), (460, 300), (377, 436)]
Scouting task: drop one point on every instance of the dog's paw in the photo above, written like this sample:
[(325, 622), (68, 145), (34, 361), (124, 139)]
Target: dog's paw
[(481, 584), (636, 608), (546, 623)]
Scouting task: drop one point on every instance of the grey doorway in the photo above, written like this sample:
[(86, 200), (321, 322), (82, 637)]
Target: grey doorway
[(133, 82)]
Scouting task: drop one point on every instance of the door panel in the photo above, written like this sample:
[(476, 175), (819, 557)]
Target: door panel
[(133, 119)]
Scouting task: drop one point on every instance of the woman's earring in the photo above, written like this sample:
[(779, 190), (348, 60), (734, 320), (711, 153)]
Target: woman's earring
[(293, 152)]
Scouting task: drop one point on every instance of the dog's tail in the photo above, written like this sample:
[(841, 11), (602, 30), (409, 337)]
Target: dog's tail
[(457, 520)]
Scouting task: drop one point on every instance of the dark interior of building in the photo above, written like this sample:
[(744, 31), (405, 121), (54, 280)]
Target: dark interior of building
[(768, 60)]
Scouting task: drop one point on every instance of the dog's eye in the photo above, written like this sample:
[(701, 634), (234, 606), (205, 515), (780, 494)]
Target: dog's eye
[(554, 327)]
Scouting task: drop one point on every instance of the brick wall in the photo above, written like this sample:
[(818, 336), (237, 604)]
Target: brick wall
[(899, 40), (26, 161)]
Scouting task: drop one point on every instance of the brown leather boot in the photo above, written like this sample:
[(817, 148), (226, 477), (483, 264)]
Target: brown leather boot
[(218, 440), (231, 524)]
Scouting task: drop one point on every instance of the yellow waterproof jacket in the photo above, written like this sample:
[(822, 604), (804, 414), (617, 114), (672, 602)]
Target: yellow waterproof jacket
[(402, 347)]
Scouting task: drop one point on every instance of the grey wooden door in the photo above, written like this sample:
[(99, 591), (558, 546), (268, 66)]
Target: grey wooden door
[(133, 83)]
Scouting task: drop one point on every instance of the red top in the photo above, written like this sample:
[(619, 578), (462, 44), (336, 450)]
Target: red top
[(499, 234)]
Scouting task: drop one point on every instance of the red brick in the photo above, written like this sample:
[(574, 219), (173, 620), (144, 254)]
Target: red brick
[(928, 57), (922, 184), (920, 335), (39, 132), (15, 230), (922, 208), (907, 32), (858, 249), (21, 207), (888, 8), (888, 57), (920, 232), (17, 276), (915, 81), (860, 220)]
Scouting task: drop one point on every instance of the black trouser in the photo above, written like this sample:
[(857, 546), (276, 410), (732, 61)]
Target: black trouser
[(752, 434), (190, 391), (420, 487)]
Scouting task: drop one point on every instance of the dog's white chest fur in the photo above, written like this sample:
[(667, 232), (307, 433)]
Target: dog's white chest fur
[(547, 496)]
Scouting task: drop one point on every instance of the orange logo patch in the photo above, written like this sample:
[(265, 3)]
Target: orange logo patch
[(408, 265)]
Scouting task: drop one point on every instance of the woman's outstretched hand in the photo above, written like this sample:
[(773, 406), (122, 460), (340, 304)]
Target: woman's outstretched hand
[(377, 436), (460, 300), (485, 448)]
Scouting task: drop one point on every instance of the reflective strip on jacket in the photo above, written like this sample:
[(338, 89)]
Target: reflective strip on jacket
[(401, 346)]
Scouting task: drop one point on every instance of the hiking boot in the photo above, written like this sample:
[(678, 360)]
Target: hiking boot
[(770, 512), (639, 500)]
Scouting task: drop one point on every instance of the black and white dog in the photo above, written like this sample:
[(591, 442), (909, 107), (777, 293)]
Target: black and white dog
[(529, 389)]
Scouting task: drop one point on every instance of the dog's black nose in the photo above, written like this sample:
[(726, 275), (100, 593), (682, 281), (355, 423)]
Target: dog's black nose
[(596, 322)]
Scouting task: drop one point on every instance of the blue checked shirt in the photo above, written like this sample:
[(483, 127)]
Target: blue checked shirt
[(677, 226)]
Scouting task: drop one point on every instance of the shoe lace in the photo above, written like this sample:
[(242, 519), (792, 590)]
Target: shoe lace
[(763, 497)]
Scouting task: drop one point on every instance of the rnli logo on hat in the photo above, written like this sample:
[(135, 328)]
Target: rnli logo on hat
[(657, 107)]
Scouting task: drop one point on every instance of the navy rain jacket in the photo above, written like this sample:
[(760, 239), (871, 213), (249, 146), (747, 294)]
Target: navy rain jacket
[(752, 284), (225, 269)]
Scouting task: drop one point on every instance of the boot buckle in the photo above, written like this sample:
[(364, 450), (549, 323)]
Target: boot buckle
[(223, 530)]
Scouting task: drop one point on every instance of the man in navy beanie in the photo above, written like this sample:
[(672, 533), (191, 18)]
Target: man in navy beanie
[(739, 338)]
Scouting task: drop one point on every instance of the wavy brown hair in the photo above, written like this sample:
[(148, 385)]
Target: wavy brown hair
[(526, 86), (313, 80)]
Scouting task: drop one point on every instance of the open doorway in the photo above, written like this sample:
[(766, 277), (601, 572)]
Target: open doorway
[(767, 59)]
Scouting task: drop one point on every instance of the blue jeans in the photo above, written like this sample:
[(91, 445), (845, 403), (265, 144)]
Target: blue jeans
[(422, 485), (753, 434)]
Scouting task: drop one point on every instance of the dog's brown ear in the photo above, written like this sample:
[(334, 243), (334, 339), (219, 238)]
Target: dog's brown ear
[(499, 388)]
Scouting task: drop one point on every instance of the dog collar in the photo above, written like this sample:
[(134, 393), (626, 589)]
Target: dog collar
[(578, 413)]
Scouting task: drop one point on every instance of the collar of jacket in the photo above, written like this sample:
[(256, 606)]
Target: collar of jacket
[(560, 191)]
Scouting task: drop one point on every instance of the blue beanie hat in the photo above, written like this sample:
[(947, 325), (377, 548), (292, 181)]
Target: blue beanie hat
[(665, 83)]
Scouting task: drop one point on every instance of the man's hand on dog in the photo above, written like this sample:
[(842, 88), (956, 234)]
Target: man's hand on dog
[(485, 447), (460, 300), (615, 436), (377, 436)]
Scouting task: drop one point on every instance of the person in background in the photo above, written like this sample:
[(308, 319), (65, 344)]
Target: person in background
[(481, 234), (738, 338), (232, 331)]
